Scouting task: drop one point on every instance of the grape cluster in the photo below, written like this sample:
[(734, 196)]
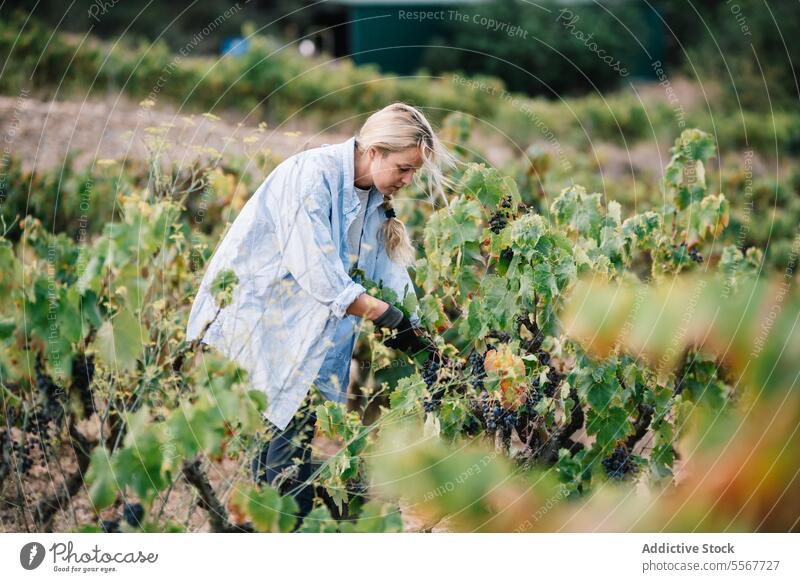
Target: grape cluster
[(492, 413), (619, 463), (52, 395), (82, 375), (472, 426), (110, 526), (693, 254), (550, 389), (478, 370), (501, 336), (499, 219), (509, 420), (133, 514), (486, 411), (495, 416), (430, 374), (553, 377), (534, 397), (24, 455), (430, 371), (40, 425), (506, 255), (498, 222), (357, 487)]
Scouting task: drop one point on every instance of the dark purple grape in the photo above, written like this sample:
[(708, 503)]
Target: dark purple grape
[(82, 375), (619, 463), (497, 222), (478, 370), (695, 256), (110, 526), (430, 371), (502, 336), (543, 357), (549, 389), (510, 420), (133, 514)]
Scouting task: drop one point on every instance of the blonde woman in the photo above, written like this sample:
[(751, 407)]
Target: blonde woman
[(296, 310)]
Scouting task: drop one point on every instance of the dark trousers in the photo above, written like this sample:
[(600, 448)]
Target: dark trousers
[(285, 461)]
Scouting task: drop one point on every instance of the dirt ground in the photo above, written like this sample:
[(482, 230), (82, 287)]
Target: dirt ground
[(115, 128), (42, 132)]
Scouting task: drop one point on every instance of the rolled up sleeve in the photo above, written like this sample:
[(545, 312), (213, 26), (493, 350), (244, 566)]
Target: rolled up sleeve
[(308, 252)]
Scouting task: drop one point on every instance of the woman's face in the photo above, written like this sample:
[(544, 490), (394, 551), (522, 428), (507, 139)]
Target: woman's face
[(395, 170)]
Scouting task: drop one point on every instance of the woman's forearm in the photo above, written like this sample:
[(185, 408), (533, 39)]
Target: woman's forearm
[(367, 306)]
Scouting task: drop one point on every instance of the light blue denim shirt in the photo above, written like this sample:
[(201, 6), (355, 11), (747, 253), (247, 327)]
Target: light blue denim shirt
[(287, 324)]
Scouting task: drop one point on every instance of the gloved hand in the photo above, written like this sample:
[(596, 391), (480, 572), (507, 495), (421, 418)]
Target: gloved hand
[(404, 338)]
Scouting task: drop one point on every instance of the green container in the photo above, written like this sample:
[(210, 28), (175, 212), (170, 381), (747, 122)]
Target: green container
[(394, 35)]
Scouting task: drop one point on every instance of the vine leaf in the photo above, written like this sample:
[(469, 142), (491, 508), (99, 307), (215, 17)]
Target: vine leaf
[(120, 340), (103, 483)]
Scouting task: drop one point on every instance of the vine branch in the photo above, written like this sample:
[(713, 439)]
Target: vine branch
[(218, 515)]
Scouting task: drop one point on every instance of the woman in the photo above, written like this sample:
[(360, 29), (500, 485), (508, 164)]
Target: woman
[(296, 311)]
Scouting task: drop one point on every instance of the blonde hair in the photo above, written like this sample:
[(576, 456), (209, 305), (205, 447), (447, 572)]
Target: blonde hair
[(395, 128)]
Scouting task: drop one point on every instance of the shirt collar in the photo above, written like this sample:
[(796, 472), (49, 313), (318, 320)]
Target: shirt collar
[(347, 153), (351, 202)]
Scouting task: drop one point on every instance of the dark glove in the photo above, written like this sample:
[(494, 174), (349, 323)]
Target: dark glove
[(403, 337)]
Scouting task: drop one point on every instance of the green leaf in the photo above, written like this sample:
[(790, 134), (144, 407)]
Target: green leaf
[(119, 341), (193, 429), (319, 520), (90, 310), (7, 327), (597, 385), (330, 417), (485, 184), (69, 315), (222, 287), (270, 512), (101, 479), (580, 212), (609, 425), (708, 218), (376, 517), (544, 281), (139, 466), (409, 392), (526, 231), (473, 327), (93, 259)]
